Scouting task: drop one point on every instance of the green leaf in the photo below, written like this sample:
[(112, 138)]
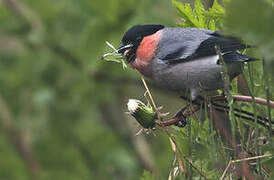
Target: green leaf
[(199, 11), (185, 11), (199, 17)]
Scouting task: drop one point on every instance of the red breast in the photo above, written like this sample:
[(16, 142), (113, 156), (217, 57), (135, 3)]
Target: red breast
[(146, 50)]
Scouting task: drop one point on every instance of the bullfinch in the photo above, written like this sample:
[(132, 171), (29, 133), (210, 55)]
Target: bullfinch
[(183, 59)]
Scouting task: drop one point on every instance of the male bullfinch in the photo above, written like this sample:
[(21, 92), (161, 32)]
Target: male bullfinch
[(183, 59)]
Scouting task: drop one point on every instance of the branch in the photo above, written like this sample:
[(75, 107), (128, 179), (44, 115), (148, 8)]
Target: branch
[(218, 107), (242, 98), (256, 100), (241, 160)]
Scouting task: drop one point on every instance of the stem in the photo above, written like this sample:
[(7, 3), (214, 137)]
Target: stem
[(266, 79), (253, 99), (241, 160), (184, 156), (189, 145), (255, 113), (226, 79), (151, 98)]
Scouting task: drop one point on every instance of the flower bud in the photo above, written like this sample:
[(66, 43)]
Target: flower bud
[(144, 114)]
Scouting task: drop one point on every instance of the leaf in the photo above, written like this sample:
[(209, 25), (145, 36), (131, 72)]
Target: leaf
[(199, 17), (187, 14), (111, 46), (199, 11)]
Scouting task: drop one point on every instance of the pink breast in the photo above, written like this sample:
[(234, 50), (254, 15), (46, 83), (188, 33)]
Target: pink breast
[(147, 47)]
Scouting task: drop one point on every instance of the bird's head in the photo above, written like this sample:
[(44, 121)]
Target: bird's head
[(136, 40)]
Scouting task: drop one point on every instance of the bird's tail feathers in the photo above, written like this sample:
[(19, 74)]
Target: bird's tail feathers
[(232, 57)]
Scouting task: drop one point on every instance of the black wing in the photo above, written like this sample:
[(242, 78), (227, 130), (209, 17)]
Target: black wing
[(226, 44), (192, 43)]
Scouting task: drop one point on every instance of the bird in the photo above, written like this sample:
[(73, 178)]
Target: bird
[(184, 60)]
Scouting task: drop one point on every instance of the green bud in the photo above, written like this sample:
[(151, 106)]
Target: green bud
[(144, 114)]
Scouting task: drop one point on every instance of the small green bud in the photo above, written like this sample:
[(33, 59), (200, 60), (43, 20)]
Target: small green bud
[(144, 114)]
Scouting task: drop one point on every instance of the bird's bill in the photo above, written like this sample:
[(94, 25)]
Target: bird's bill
[(124, 48)]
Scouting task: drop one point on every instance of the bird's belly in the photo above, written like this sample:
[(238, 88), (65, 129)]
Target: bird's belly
[(203, 74)]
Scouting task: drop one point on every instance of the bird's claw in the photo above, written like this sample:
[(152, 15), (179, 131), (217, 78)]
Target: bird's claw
[(181, 118), (182, 122)]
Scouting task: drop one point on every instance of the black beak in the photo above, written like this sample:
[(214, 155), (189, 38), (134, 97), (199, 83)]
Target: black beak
[(122, 48)]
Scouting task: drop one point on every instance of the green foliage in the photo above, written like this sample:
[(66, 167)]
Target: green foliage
[(62, 104), (147, 176), (61, 108), (254, 24), (199, 16), (202, 145), (199, 145)]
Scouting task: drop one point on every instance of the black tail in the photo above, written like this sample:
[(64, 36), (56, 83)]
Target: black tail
[(232, 57)]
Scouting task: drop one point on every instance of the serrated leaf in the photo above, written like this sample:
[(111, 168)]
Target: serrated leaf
[(186, 13), (199, 17), (199, 11), (217, 8)]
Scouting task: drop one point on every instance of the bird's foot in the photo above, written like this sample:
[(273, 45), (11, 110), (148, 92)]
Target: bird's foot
[(181, 119), (182, 122)]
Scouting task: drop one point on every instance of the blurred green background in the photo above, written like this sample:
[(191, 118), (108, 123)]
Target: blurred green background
[(62, 109)]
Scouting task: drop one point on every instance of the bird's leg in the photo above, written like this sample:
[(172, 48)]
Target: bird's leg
[(179, 117), (184, 113), (187, 111)]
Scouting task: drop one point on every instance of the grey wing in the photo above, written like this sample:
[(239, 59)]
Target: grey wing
[(179, 44)]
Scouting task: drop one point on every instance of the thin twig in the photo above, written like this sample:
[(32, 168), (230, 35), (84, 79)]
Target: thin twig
[(256, 100), (185, 158), (151, 98), (169, 135), (247, 99), (226, 169), (241, 160), (266, 79), (174, 149), (174, 172)]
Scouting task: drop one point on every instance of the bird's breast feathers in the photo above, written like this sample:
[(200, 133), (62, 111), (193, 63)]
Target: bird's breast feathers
[(146, 50)]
